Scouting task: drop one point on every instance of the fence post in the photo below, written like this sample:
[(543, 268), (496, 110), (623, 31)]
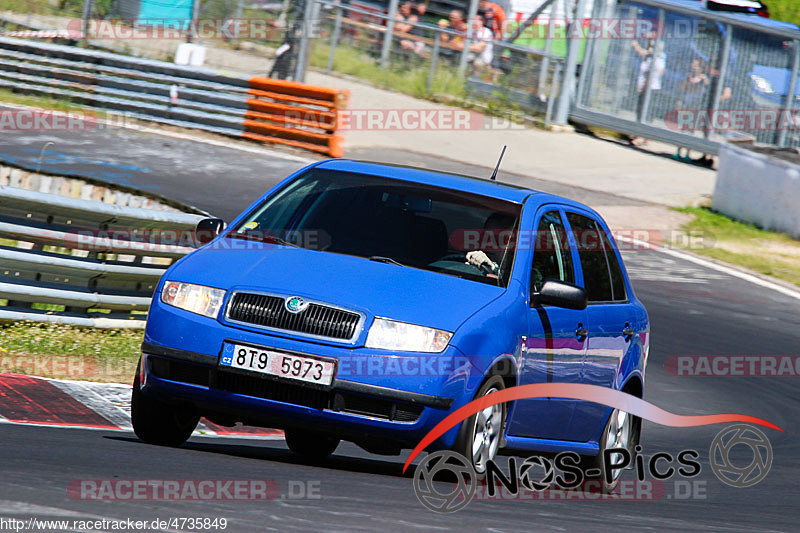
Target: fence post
[(87, 12), (548, 48), (723, 71), (553, 91), (434, 58), (337, 28), (568, 81), (658, 47), (305, 42), (789, 102), (587, 69), (462, 61), (389, 34), (191, 34)]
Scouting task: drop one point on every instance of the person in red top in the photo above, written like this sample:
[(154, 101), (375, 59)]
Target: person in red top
[(494, 17)]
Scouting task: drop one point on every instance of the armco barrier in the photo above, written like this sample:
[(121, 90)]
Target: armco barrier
[(96, 264), (259, 109)]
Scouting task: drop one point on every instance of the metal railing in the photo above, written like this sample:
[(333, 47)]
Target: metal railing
[(84, 262)]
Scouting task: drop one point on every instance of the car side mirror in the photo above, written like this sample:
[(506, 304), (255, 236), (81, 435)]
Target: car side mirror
[(208, 229), (560, 294)]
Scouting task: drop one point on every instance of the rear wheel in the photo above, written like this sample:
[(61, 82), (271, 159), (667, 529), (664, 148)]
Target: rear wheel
[(156, 422), (310, 445), (481, 434)]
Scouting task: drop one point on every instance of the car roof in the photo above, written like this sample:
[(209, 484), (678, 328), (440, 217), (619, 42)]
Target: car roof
[(447, 180)]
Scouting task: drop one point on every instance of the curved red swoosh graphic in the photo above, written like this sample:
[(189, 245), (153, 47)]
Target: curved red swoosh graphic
[(578, 391)]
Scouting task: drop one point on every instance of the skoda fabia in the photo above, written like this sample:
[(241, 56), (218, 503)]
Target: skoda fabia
[(365, 302)]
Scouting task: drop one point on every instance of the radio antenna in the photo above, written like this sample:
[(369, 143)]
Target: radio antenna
[(494, 174)]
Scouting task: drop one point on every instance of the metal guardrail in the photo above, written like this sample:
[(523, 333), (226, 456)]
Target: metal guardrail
[(260, 109), (91, 263)]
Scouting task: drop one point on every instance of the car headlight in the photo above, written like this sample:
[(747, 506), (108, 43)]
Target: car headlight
[(390, 335), (199, 299), (762, 84)]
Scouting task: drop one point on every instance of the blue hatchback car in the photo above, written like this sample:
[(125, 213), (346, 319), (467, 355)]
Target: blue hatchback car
[(365, 302)]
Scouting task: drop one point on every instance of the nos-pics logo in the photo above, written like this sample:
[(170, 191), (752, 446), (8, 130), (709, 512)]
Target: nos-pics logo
[(457, 482)]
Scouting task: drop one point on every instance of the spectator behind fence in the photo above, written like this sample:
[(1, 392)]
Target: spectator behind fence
[(694, 89), (416, 46), (481, 49), (402, 17), (493, 17), (651, 70), (456, 23)]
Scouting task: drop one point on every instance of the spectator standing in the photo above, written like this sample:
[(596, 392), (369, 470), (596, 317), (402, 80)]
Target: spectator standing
[(493, 17)]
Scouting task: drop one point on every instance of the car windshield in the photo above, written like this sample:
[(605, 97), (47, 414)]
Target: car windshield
[(391, 221)]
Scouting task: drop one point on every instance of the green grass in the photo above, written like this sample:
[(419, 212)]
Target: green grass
[(411, 80), (768, 252), (46, 102), (788, 10), (59, 351)]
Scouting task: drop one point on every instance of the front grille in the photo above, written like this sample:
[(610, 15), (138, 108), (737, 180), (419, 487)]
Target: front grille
[(273, 390), (269, 311)]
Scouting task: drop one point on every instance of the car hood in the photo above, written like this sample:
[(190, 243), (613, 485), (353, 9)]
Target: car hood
[(376, 289)]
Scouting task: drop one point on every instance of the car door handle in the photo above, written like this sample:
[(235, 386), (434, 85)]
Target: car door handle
[(581, 332), (628, 332)]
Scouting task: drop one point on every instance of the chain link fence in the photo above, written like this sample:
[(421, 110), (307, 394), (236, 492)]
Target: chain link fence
[(428, 59)]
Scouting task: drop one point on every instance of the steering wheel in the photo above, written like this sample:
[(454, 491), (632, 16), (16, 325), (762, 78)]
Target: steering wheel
[(454, 257)]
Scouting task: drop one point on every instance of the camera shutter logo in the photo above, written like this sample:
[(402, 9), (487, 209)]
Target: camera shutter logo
[(722, 464), (526, 476), (460, 493)]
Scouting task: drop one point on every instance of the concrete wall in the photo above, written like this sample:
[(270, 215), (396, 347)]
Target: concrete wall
[(758, 188)]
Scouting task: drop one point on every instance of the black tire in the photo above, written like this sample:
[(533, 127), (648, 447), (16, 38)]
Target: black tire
[(309, 445), (156, 422), (632, 441), (464, 441)]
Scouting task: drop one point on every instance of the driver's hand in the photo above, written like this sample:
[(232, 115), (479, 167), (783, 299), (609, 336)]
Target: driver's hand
[(478, 258)]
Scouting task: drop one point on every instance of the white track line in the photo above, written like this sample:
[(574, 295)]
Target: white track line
[(716, 266)]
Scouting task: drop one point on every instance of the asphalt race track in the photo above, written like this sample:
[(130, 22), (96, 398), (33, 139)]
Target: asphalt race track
[(694, 310)]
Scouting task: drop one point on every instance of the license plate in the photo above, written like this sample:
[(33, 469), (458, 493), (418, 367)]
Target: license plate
[(283, 365)]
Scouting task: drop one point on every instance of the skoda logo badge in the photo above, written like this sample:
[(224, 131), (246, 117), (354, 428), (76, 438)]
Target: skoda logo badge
[(295, 304)]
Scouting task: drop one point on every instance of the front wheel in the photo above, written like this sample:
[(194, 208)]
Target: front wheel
[(156, 422), (620, 432), (481, 434)]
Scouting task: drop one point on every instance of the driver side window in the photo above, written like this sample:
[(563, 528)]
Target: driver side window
[(552, 258)]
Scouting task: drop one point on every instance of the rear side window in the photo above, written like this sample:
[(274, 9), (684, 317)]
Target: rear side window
[(602, 274), (617, 279), (552, 258)]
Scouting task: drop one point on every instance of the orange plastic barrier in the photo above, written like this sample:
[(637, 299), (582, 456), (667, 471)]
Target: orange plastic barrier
[(295, 114)]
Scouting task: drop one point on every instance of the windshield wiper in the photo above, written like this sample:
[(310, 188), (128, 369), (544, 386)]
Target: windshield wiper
[(273, 239), (382, 259)]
